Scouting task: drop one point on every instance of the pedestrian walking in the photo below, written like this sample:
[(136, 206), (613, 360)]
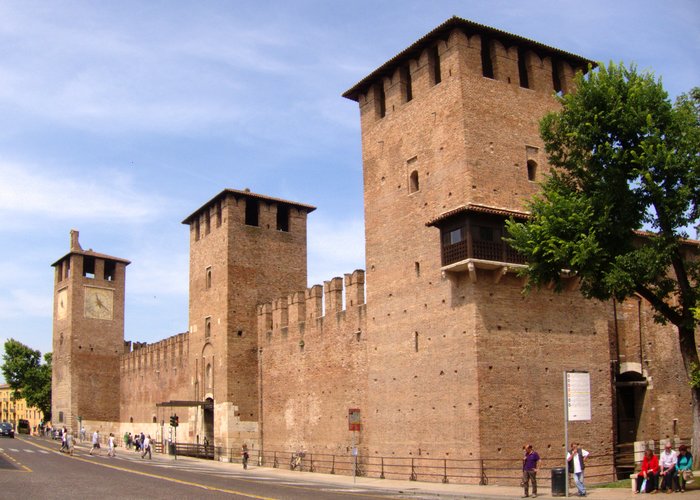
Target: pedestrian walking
[(111, 445), (95, 441), (146, 447), (245, 456), (531, 464), (70, 442), (63, 439)]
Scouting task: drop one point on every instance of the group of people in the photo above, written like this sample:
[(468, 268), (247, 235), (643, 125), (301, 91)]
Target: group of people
[(141, 443), (96, 444), (575, 458), (670, 471), (67, 441)]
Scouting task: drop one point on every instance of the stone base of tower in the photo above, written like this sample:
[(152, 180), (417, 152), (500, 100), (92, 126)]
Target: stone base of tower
[(231, 433)]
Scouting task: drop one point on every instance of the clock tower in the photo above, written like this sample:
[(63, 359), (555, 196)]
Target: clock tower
[(88, 336)]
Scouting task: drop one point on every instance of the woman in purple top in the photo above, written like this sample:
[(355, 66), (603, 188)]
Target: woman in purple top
[(531, 464)]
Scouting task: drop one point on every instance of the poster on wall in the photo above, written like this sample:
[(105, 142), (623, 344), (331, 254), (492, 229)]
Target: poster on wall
[(354, 419)]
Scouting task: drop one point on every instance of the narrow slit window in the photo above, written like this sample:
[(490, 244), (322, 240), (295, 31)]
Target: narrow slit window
[(486, 62), (415, 341), (218, 214), (407, 84), (380, 100), (207, 328), (556, 80), (435, 65), (251, 212), (196, 229), (208, 278), (283, 218), (531, 170), (413, 184), (522, 69), (207, 221)]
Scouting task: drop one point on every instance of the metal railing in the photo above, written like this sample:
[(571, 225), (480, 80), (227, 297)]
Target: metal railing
[(599, 468), (497, 251)]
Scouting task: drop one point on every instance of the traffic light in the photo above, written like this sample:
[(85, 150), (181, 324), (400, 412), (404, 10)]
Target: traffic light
[(177, 420), (173, 421)]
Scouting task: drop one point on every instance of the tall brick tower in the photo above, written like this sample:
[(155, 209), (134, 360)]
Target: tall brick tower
[(88, 336), (245, 249), (451, 148)]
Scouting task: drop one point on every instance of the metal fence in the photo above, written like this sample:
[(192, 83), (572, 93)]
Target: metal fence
[(599, 468)]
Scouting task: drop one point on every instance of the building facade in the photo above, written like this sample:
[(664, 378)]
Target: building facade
[(434, 342), (13, 410)]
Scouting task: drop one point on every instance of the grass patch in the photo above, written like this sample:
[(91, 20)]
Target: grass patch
[(622, 483)]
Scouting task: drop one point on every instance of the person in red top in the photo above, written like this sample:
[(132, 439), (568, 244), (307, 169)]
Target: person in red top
[(650, 472)]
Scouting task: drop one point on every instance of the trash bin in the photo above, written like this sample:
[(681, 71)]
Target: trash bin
[(558, 482)]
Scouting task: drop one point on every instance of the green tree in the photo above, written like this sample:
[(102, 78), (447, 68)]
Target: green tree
[(618, 205), (27, 376)]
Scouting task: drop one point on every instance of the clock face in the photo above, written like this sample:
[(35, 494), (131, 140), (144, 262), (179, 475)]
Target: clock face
[(98, 303), (62, 304)]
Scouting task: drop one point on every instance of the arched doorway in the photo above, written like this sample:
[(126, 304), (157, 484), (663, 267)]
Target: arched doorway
[(208, 420)]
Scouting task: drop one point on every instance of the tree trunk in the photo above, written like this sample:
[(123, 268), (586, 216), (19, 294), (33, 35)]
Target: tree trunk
[(696, 425), (689, 352)]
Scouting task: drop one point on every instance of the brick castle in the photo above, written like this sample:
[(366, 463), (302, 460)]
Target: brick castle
[(446, 357)]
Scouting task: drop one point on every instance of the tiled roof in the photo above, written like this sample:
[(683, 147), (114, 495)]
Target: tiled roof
[(90, 253), (476, 208), (248, 194)]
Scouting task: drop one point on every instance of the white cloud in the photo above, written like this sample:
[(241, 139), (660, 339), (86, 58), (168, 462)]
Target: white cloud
[(104, 195)]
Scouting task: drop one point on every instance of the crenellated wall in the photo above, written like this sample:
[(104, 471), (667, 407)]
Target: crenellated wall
[(313, 365), (152, 374)]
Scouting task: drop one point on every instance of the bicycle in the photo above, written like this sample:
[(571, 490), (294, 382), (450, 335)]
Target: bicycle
[(296, 460)]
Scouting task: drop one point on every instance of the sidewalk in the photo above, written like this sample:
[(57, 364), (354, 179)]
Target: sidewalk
[(404, 488)]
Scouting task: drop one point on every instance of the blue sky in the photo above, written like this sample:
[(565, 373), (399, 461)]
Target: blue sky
[(122, 118)]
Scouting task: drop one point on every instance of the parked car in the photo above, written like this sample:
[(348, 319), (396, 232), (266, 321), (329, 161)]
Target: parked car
[(6, 429)]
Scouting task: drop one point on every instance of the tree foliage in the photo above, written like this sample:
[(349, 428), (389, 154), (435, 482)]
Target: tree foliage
[(27, 376), (626, 160), (621, 199)]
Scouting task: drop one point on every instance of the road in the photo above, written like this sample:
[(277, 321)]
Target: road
[(32, 467)]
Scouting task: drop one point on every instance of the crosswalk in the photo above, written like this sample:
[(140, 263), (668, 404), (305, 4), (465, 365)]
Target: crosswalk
[(16, 450)]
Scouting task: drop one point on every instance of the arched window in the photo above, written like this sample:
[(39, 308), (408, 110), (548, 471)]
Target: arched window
[(531, 170), (413, 184)]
